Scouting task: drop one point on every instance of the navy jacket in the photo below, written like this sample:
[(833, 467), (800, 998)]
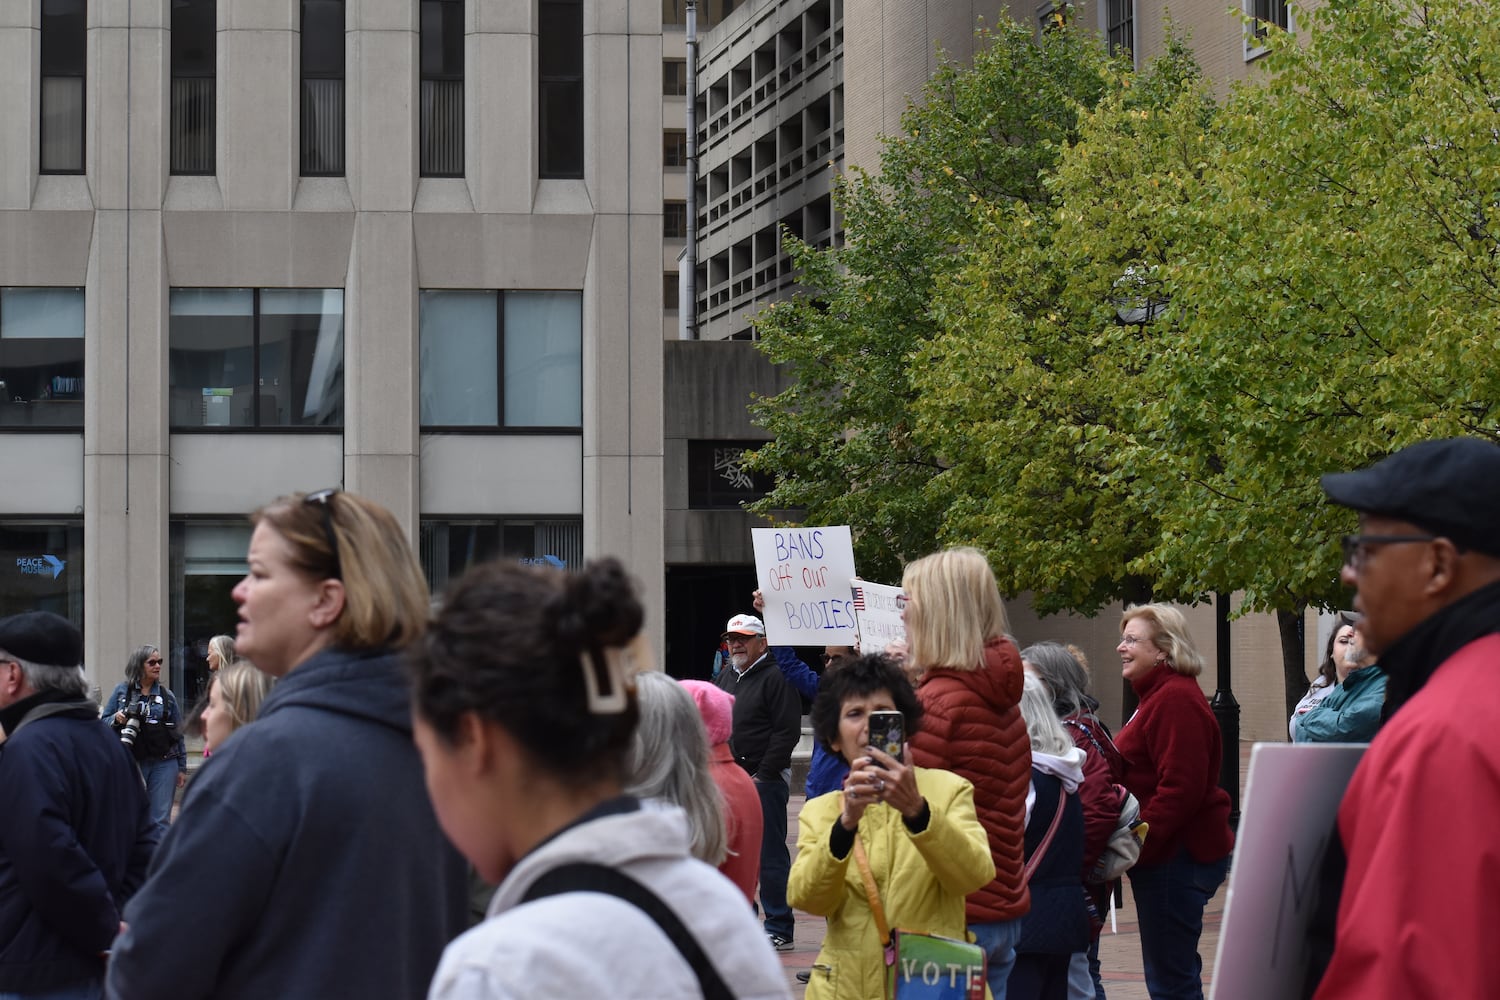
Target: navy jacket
[(306, 860), (76, 835)]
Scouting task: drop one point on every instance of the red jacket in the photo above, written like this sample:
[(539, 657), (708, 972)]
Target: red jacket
[(1421, 897), (1172, 752), (742, 817), (1097, 794), (972, 726)]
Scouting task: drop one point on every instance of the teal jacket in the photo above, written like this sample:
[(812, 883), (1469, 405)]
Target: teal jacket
[(1350, 713)]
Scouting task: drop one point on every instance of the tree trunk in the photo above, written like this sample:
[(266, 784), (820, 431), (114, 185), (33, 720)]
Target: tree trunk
[(1294, 672)]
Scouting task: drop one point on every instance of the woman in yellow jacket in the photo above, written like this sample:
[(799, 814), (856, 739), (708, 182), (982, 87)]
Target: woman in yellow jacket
[(918, 828)]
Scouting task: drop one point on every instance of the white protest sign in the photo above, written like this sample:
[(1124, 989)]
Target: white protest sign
[(804, 578), (877, 614), (1292, 798)]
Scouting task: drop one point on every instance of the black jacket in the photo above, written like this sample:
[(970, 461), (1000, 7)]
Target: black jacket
[(306, 860), (767, 718), (76, 835)]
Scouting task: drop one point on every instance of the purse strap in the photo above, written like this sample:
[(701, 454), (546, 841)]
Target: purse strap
[(871, 890), (1041, 849)]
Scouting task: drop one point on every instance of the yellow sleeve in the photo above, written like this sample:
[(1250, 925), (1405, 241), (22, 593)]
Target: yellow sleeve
[(816, 882)]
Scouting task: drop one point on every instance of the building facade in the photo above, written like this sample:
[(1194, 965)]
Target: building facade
[(249, 247)]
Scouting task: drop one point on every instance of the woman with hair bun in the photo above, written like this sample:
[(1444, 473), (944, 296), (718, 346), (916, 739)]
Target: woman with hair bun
[(524, 711)]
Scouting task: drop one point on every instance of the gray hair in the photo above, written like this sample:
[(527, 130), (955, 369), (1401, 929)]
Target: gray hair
[(668, 759), (45, 677), (1065, 676), (1045, 731), (136, 665)]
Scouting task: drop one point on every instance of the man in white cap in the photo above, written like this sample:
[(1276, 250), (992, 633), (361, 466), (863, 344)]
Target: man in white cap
[(767, 725)]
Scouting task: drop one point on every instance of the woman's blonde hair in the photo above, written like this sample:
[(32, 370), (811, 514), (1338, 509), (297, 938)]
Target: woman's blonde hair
[(955, 609), (223, 646), (241, 690), (385, 595), (1169, 633)]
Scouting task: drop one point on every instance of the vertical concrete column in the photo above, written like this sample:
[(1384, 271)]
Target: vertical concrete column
[(380, 364), (381, 108), (258, 103), (500, 105), (622, 348), (20, 81), (125, 353)]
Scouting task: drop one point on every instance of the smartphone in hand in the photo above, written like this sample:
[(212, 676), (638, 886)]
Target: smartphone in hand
[(888, 732)]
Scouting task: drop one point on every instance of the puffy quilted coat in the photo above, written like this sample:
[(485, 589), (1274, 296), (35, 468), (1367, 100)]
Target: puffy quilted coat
[(972, 726), (922, 879)]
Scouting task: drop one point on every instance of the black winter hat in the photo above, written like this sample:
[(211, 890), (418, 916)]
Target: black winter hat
[(1450, 487), (42, 638)]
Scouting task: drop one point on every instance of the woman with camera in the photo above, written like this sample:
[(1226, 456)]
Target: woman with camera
[(306, 850), (916, 829), (144, 712)]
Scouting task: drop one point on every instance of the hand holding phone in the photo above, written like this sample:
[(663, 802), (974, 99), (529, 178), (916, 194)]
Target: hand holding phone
[(888, 732)]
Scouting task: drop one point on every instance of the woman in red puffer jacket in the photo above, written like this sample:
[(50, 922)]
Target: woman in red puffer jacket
[(970, 690)]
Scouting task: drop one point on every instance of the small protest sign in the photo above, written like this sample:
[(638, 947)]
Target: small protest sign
[(804, 578), (878, 615)]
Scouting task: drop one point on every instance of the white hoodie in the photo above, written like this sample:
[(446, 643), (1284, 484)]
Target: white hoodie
[(1068, 769)]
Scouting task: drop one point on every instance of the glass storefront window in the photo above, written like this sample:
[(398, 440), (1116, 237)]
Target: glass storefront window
[(41, 357), (207, 558), (449, 547), (41, 567)]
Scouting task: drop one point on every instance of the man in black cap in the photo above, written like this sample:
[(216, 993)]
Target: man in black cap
[(1418, 824), (76, 833)]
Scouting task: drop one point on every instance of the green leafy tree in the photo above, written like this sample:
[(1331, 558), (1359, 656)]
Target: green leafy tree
[(845, 446)]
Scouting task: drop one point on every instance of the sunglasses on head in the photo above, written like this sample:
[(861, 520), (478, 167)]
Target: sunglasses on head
[(324, 499)]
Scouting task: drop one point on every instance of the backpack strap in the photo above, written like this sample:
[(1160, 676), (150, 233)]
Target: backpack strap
[(583, 876)]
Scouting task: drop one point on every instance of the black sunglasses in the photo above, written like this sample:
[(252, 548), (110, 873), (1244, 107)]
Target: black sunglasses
[(324, 499)]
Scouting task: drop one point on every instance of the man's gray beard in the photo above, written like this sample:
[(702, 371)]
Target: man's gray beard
[(740, 660)]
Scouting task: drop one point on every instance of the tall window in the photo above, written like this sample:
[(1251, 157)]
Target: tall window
[(1267, 13), (322, 88), (206, 558), (64, 58), (502, 360), (243, 357), (674, 220), (193, 59), (41, 357), (442, 94), (674, 148), (1119, 28), (674, 77), (560, 87)]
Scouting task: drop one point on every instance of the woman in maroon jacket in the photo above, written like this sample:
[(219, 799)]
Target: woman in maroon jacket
[(970, 691), (1172, 752)]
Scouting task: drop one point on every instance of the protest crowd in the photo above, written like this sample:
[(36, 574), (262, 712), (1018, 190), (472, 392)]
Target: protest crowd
[(499, 796)]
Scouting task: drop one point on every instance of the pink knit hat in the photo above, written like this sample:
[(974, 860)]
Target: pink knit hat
[(717, 708)]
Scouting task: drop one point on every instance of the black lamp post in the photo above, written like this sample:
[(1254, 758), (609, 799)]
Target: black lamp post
[(1227, 711)]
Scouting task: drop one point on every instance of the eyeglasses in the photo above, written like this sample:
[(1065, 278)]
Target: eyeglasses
[(902, 602), (1357, 548), (324, 499), (1133, 640), (154, 662)]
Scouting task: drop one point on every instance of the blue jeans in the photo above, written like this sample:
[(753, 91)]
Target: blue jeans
[(92, 990), (161, 788), (999, 942), (1169, 902), (775, 862)]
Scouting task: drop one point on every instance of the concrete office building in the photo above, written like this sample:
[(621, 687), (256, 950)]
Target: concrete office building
[(249, 247)]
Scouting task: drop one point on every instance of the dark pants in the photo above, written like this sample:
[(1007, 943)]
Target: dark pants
[(1038, 977), (1169, 902), (775, 862)]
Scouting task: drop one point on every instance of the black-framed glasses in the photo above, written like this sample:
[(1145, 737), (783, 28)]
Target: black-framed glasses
[(1357, 547), (324, 499)]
